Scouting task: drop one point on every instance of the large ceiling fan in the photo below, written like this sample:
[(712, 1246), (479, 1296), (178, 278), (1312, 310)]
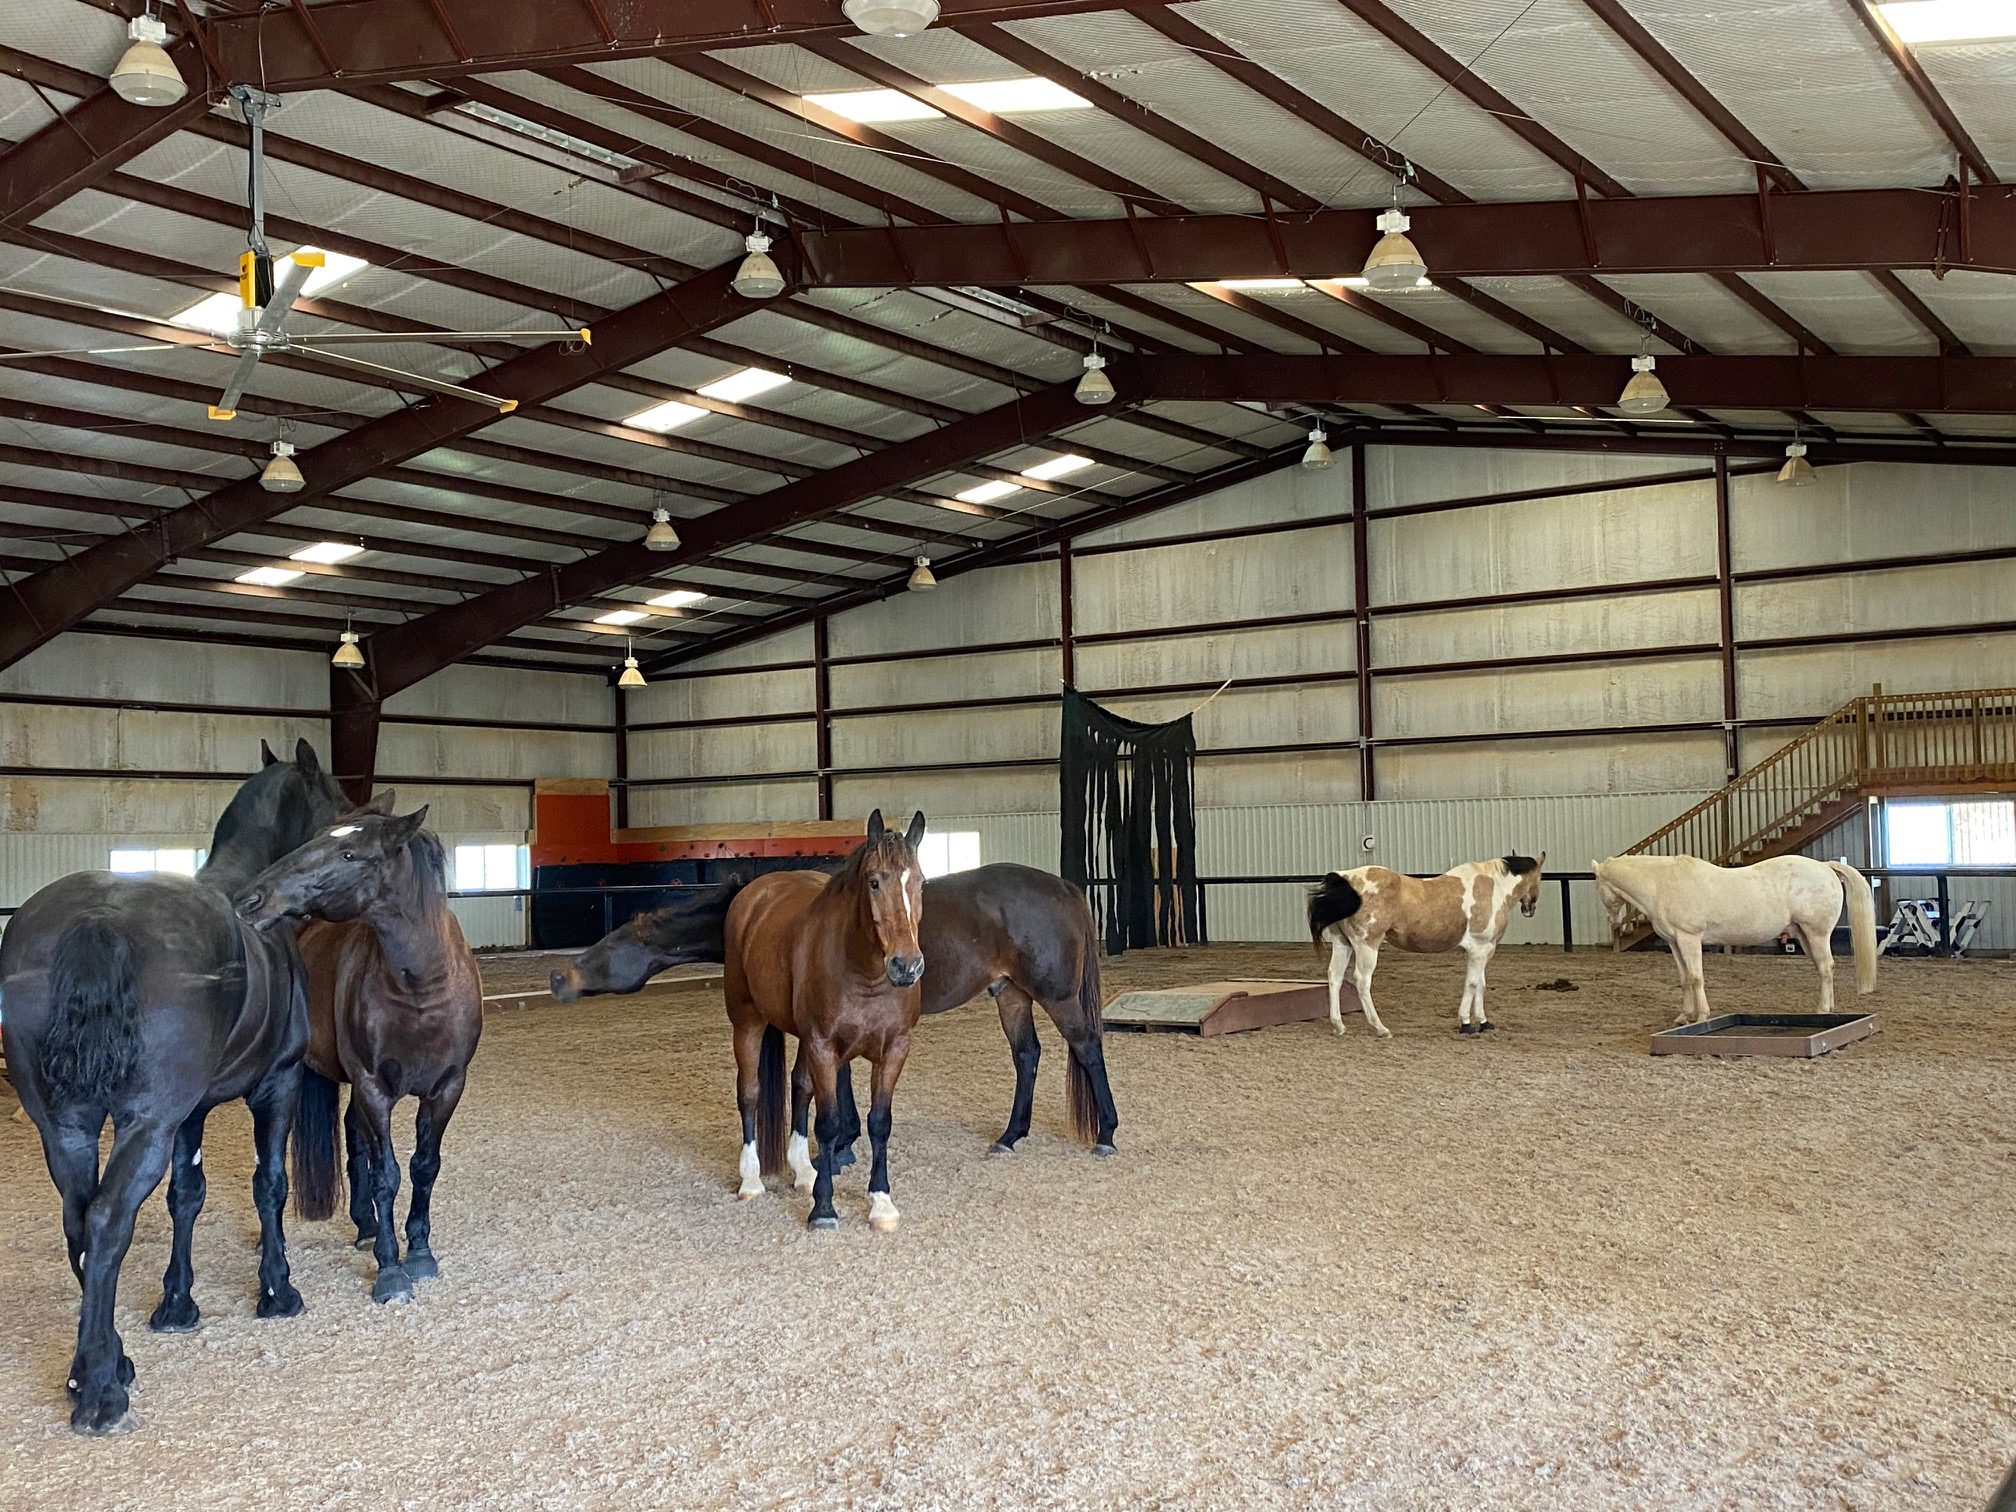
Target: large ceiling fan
[(259, 325)]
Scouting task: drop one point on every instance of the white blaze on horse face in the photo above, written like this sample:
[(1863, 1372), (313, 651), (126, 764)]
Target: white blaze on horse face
[(904, 887), (752, 1173), (344, 829)]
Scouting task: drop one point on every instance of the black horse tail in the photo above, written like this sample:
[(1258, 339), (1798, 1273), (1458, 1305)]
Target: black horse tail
[(1082, 1092), (1331, 901), (317, 1180), (770, 1102), (94, 1014)]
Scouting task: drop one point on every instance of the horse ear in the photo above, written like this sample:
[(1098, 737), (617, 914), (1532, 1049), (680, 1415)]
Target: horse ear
[(382, 804), (915, 834), (404, 828), (875, 829), (304, 757), (266, 756), (1541, 864)]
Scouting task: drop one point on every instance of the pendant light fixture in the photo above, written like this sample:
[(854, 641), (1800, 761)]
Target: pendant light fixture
[(145, 74), (1797, 471), (347, 655), (1095, 387), (922, 579), (758, 277), (661, 536), (631, 677), (891, 18), (1396, 264), (1644, 394), (280, 474), (1317, 457)]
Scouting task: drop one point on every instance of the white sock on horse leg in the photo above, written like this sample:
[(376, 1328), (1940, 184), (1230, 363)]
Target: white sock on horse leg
[(752, 1174), (882, 1212), (798, 1155)]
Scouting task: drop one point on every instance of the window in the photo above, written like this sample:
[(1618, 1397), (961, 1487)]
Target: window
[(181, 862), (489, 868), (945, 851), (1966, 832)]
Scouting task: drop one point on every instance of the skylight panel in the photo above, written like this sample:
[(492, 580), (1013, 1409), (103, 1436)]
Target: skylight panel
[(621, 617), (269, 577), (1923, 21), (746, 384), (987, 493), (1007, 96), (678, 598), (326, 553), (1057, 467), (872, 106), (667, 416)]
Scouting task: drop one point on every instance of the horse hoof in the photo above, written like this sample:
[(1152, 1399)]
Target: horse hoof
[(830, 1221), (1486, 1028), (748, 1194), (282, 1302), (1467, 1029), (844, 1159), (365, 1241), (1104, 1151), (1001, 1147), (103, 1423), (803, 1188), (175, 1317), (421, 1265), (884, 1224), (392, 1285), (1383, 1033)]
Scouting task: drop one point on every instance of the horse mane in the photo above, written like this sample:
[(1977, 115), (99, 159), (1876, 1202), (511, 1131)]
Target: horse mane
[(856, 860), (1518, 866), (430, 864)]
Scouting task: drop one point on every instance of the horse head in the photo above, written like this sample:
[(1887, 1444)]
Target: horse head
[(688, 929), (891, 885), (1527, 871), (339, 874)]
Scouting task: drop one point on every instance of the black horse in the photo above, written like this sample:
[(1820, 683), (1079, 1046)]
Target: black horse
[(1022, 935), (144, 999)]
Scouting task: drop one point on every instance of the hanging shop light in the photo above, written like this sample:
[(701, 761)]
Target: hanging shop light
[(1797, 471), (891, 18), (1396, 264), (280, 474), (1095, 387), (1644, 394), (922, 579), (347, 655), (1318, 455), (661, 536), (631, 677), (758, 277), (145, 74)]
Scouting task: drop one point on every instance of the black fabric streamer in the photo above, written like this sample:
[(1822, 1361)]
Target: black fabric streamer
[(1130, 824)]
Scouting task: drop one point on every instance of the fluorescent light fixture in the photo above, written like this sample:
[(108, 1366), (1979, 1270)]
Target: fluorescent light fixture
[(1057, 467), (218, 312), (678, 598), (869, 106), (1006, 96), (667, 416), (621, 617), (1359, 281), (987, 493), (1258, 283), (552, 136), (746, 384), (326, 553), (268, 577), (1920, 21)]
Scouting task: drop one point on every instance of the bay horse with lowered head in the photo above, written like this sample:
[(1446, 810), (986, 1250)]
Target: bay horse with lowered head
[(144, 1000), (1690, 903), (836, 962), (1019, 934), (1466, 908), (395, 1008)]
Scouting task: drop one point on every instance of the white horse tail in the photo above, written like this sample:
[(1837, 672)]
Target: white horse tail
[(1861, 923)]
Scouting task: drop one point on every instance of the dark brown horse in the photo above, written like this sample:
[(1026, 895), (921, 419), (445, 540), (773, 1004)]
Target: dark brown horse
[(395, 1007), (142, 1000), (1021, 934), (835, 961)]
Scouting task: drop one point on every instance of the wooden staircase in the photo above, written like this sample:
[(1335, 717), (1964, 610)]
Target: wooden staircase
[(1881, 745)]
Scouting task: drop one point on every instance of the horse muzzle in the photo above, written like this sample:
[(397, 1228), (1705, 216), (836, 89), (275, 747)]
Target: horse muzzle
[(566, 985), (905, 971)]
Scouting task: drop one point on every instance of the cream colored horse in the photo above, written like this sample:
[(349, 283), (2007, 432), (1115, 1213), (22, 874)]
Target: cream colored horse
[(1464, 909), (1691, 903)]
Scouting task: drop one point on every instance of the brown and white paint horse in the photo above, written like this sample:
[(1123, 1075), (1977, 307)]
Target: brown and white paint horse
[(1464, 909)]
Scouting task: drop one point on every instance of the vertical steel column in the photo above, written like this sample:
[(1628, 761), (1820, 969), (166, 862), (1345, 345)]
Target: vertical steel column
[(822, 717), (1069, 660), (1725, 589), (622, 760), (1361, 600)]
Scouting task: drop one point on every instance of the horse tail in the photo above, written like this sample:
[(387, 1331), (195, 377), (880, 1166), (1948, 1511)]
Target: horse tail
[(1083, 1092), (770, 1102), (1331, 901), (1861, 923), (317, 1180), (93, 1040)]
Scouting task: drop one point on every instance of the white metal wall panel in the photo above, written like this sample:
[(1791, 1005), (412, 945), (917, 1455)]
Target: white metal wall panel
[(1863, 603), (951, 735), (1000, 674), (1291, 493), (1397, 475), (725, 695), (1812, 681), (1291, 572), (1009, 790), (1589, 764), (1867, 511), (1549, 698), (558, 698), (738, 750), (171, 671), (1638, 621), (457, 751), (725, 803), (1003, 603), (1263, 652), (1305, 776)]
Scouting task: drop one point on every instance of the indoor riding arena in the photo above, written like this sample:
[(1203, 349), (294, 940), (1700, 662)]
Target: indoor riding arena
[(1380, 633)]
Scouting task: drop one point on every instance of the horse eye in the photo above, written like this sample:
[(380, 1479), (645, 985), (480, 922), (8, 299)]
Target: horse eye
[(349, 855), (874, 884)]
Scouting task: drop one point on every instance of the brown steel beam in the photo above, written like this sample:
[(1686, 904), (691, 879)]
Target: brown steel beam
[(53, 600), (91, 141), (1927, 92), (1361, 616), (1725, 609)]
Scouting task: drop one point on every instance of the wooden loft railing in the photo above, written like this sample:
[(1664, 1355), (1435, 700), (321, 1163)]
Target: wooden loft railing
[(1878, 745)]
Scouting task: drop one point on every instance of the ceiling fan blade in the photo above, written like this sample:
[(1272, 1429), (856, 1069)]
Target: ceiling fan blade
[(147, 346), (360, 338), (285, 293), (226, 408), (400, 378)]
